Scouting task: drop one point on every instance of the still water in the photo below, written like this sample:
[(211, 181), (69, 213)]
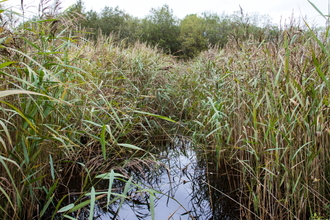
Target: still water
[(187, 181), (189, 187)]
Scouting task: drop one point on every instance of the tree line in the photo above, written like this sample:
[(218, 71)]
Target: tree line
[(182, 37)]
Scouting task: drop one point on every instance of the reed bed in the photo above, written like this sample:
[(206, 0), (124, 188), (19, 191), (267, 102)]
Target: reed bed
[(264, 109), (70, 106)]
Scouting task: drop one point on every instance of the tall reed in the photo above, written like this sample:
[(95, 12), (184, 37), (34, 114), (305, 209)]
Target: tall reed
[(69, 106), (264, 108)]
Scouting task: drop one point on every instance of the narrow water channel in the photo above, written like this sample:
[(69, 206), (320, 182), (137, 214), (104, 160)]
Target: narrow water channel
[(189, 185), (187, 181)]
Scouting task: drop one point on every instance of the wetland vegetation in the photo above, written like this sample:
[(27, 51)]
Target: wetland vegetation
[(78, 111)]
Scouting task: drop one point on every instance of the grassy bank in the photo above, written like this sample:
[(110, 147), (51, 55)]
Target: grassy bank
[(69, 105)]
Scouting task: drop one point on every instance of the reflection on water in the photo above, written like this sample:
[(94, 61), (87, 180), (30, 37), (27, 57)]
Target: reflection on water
[(190, 189)]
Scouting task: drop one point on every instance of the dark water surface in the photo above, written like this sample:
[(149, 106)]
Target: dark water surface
[(190, 189), (189, 185)]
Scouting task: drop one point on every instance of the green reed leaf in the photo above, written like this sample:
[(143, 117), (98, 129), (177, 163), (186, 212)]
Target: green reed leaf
[(103, 142), (92, 204)]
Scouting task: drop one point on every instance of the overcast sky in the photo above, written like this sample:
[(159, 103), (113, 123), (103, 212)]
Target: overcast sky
[(275, 8)]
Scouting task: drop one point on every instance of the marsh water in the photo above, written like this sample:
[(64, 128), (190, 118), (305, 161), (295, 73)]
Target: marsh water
[(189, 185)]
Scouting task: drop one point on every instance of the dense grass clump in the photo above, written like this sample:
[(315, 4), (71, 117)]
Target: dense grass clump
[(70, 106)]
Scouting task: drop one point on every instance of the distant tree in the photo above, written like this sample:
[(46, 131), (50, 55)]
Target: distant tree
[(90, 23), (109, 21), (192, 36), (216, 28), (78, 7), (112, 20), (161, 28)]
